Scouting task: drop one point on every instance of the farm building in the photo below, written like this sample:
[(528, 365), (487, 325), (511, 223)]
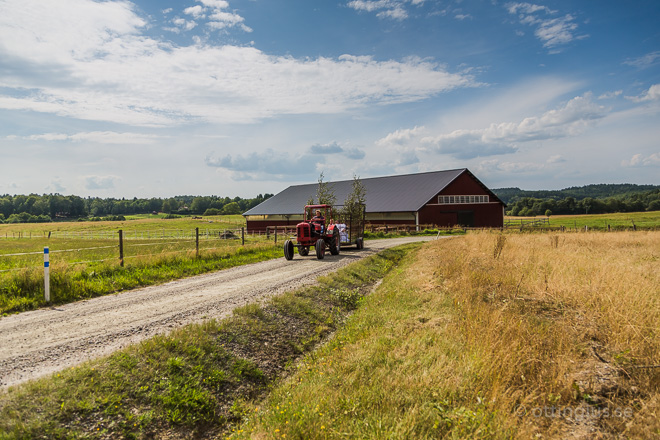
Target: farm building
[(442, 198)]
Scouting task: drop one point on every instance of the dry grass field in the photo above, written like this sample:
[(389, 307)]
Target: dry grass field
[(561, 322), (490, 336)]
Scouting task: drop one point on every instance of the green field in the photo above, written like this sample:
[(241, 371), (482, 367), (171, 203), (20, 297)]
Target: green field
[(136, 224), (85, 257), (619, 220)]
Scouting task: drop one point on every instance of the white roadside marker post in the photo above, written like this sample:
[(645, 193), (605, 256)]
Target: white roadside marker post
[(46, 275)]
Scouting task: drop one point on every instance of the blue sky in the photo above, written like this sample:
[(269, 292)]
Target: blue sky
[(240, 97)]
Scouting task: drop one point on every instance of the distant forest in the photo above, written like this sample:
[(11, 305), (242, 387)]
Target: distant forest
[(589, 199), (49, 207)]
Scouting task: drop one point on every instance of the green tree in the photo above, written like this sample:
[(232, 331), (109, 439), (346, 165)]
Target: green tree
[(354, 203), (200, 204), (325, 193), (231, 208), (6, 207), (167, 207)]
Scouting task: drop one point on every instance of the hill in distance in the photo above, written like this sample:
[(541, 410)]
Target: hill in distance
[(596, 191)]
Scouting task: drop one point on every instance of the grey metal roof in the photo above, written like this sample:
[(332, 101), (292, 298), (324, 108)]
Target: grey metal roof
[(402, 193)]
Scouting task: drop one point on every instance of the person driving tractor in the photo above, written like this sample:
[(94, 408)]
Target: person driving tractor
[(319, 221)]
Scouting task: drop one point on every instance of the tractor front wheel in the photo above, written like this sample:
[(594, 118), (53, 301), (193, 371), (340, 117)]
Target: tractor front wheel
[(320, 248), (288, 250), (303, 251), (360, 243)]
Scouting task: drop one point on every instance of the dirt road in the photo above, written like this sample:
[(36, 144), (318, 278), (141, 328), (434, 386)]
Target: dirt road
[(33, 344)]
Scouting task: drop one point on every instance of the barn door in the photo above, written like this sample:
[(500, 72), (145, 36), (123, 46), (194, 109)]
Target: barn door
[(466, 218)]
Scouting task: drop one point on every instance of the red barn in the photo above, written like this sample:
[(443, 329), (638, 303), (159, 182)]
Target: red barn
[(442, 198)]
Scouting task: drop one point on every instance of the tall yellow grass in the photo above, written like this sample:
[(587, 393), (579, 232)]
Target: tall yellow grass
[(559, 321), (490, 336)]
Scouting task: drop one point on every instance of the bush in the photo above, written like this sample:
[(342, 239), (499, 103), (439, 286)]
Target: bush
[(25, 217), (212, 211)]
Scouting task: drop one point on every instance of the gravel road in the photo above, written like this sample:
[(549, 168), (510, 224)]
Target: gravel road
[(36, 343)]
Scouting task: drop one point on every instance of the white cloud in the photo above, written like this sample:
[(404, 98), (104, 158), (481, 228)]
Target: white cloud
[(527, 8), (56, 186), (103, 68), (556, 31), (552, 31), (215, 4), (218, 17), (334, 148), (571, 119), (488, 166), (269, 165), (100, 137), (652, 94), (610, 95), (196, 11), (644, 61), (557, 158), (639, 160), (182, 24), (392, 9), (401, 137), (100, 182), (371, 6), (48, 137), (396, 13), (221, 20), (331, 148), (354, 153)]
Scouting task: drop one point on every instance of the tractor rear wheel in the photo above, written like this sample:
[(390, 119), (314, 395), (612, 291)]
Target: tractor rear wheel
[(320, 248), (288, 250), (303, 251), (335, 242)]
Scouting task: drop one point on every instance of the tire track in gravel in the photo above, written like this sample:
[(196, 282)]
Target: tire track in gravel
[(36, 343)]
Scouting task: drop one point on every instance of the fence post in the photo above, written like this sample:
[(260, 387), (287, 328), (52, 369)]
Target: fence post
[(197, 242), (46, 274), (121, 248), (243, 236), (275, 234)]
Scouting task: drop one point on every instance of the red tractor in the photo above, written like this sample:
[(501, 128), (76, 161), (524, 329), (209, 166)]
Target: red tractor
[(316, 230), (320, 230)]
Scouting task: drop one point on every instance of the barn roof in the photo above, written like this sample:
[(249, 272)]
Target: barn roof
[(402, 193)]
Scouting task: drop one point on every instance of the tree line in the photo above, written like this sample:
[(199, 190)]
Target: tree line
[(49, 207), (595, 191), (635, 202)]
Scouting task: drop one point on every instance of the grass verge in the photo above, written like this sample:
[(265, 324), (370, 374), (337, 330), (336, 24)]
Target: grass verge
[(196, 380), (489, 336), (24, 290)]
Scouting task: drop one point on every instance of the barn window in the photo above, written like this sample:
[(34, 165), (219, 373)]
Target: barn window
[(450, 200)]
